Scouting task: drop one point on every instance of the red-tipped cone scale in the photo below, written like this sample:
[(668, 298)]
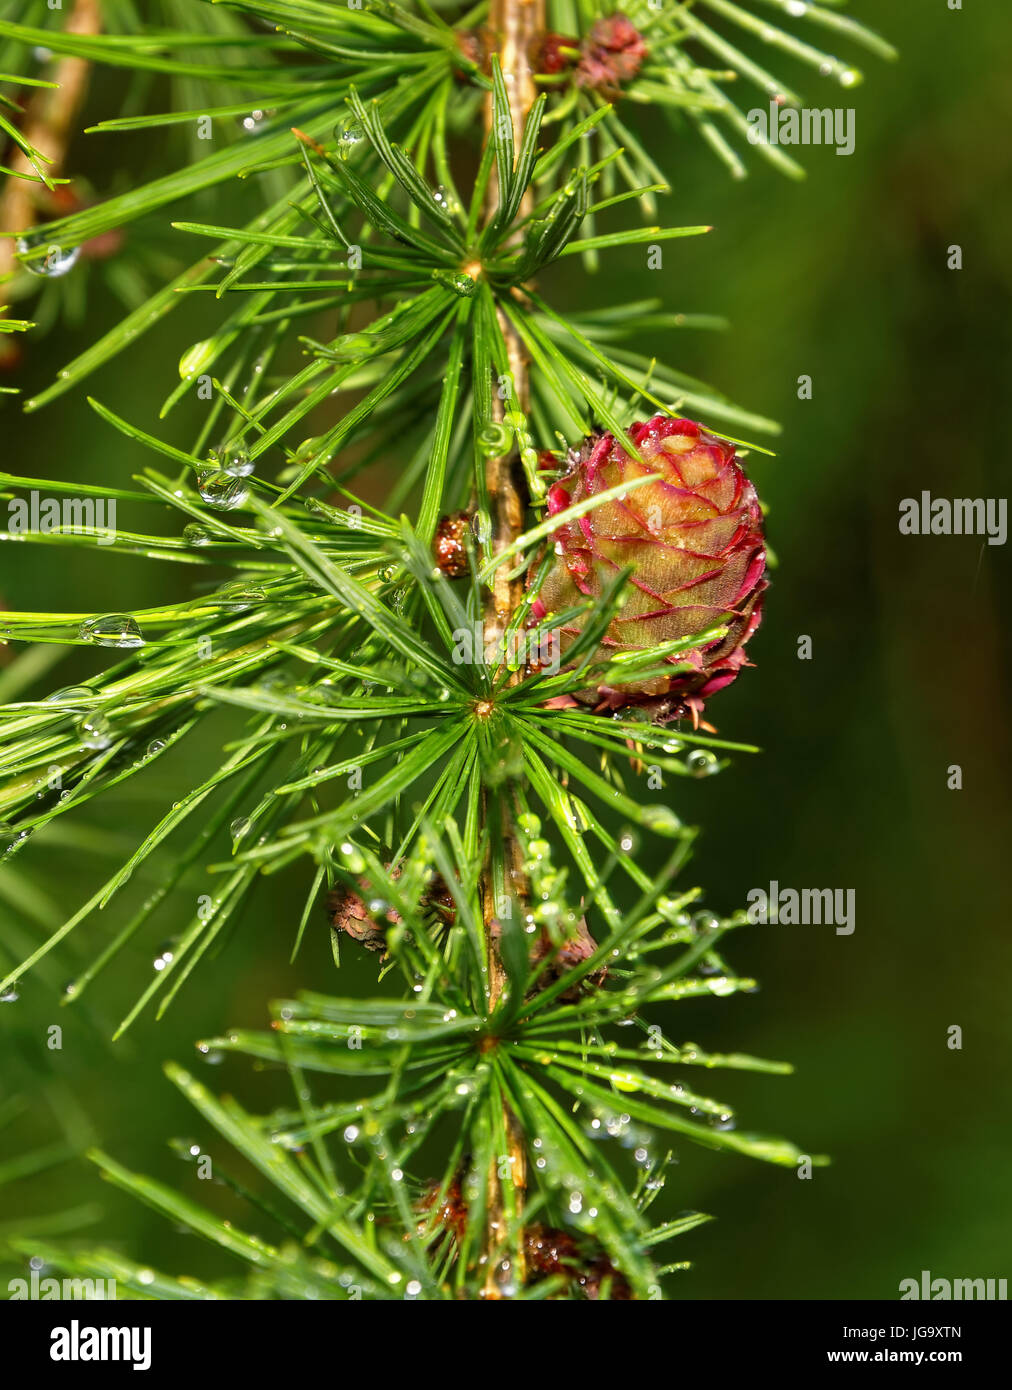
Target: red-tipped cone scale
[(695, 545)]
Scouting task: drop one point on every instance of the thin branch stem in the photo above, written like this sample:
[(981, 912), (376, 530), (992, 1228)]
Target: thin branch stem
[(515, 27)]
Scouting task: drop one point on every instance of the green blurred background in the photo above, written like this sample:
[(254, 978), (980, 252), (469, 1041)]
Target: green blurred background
[(842, 278)]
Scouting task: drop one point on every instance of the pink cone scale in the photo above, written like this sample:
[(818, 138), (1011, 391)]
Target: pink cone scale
[(694, 542)]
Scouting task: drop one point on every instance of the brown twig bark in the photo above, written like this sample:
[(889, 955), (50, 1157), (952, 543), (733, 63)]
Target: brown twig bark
[(515, 26), (47, 126)]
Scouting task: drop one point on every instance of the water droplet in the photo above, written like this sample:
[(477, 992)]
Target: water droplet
[(197, 535), (220, 490), (494, 440), (234, 460), (670, 910), (352, 858), (54, 263), (240, 826), (308, 450), (197, 358), (112, 630), (348, 136), (628, 841), (661, 820), (95, 731), (350, 347), (702, 763), (236, 596), (456, 280), (71, 695)]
